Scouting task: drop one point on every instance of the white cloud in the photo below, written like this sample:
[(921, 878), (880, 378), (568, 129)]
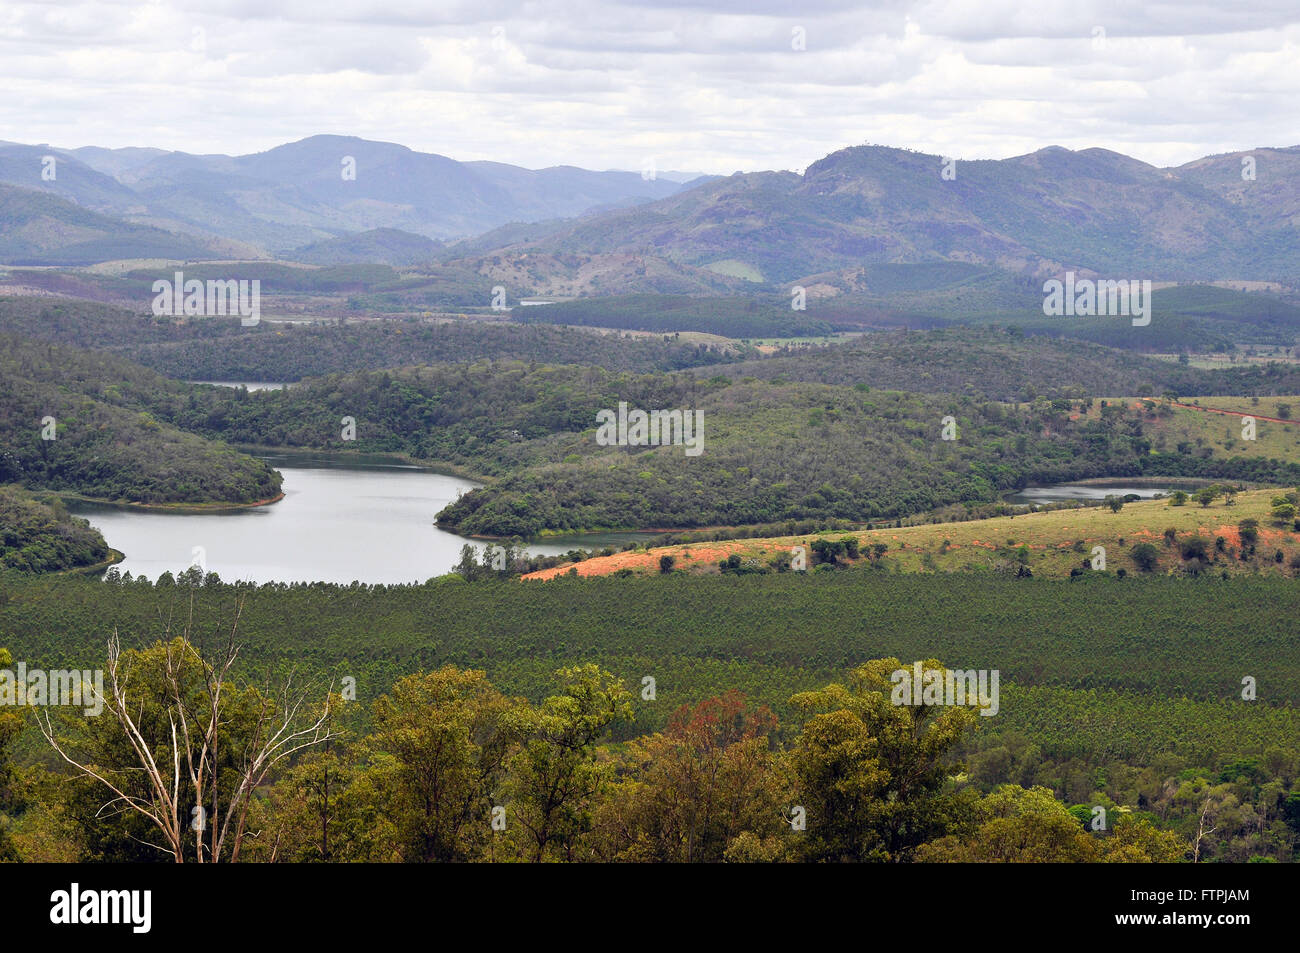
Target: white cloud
[(700, 84)]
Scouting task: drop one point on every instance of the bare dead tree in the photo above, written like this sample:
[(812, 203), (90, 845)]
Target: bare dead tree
[(1201, 832), (282, 725)]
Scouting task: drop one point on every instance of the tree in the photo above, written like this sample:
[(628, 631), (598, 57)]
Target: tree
[(1145, 556), (467, 566), (184, 747), (1016, 825), (1028, 825), (873, 776), (666, 563), (449, 732), (11, 725), (688, 794), (555, 775), (1115, 503)]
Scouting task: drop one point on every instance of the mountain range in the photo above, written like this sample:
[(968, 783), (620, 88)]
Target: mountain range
[(1094, 211), (317, 189), (571, 232)]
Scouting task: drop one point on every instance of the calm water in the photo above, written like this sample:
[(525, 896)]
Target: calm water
[(1062, 492), (250, 386), (336, 523)]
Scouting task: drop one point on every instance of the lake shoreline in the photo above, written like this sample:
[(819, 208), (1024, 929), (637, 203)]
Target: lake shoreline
[(361, 459), (114, 557), (169, 507)]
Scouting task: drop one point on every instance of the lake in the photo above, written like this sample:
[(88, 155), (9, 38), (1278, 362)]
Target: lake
[(370, 523), (251, 386), (1062, 492)]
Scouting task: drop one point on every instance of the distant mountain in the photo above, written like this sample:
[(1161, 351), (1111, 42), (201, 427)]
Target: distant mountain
[(388, 246), (38, 228), (572, 232), (1093, 211), (114, 162), (43, 169), (321, 188)]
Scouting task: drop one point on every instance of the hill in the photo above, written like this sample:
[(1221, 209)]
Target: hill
[(388, 246), (1051, 543), (321, 188), (80, 423), (731, 317), (38, 228), (220, 349), (40, 536), (1003, 364), (1093, 211), (767, 451)]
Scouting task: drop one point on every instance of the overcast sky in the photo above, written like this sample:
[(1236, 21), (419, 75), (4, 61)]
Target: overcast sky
[(699, 85)]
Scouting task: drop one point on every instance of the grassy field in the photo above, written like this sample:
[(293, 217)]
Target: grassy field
[(1222, 433), (1055, 542), (734, 268)]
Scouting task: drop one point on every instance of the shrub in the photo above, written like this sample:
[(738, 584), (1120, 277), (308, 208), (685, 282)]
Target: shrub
[(1145, 556)]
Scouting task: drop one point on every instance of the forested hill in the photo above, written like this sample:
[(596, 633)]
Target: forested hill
[(40, 535), (992, 363), (771, 450), (80, 422), (1005, 365), (221, 349)]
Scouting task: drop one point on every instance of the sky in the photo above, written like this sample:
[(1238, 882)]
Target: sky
[(712, 86)]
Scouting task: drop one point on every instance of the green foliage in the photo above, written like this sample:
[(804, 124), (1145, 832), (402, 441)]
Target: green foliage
[(221, 349), (731, 317), (996, 364), (873, 775), (41, 536), (87, 423)]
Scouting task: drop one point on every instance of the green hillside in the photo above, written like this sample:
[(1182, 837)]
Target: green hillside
[(80, 423)]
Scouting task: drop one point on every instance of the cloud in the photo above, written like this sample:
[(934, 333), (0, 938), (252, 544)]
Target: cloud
[(701, 85)]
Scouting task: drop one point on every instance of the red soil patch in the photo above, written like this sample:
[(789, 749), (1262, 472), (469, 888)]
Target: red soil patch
[(606, 565)]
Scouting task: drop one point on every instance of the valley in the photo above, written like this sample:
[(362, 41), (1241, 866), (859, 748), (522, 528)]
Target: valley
[(631, 496)]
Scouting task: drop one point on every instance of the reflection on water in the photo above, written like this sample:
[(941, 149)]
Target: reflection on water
[(1062, 492), (370, 522)]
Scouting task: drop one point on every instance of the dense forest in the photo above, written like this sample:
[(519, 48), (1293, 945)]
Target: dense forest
[(1122, 694), (731, 317), (774, 450), (79, 422), (777, 449), (221, 349), (39, 535), (1005, 364)]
